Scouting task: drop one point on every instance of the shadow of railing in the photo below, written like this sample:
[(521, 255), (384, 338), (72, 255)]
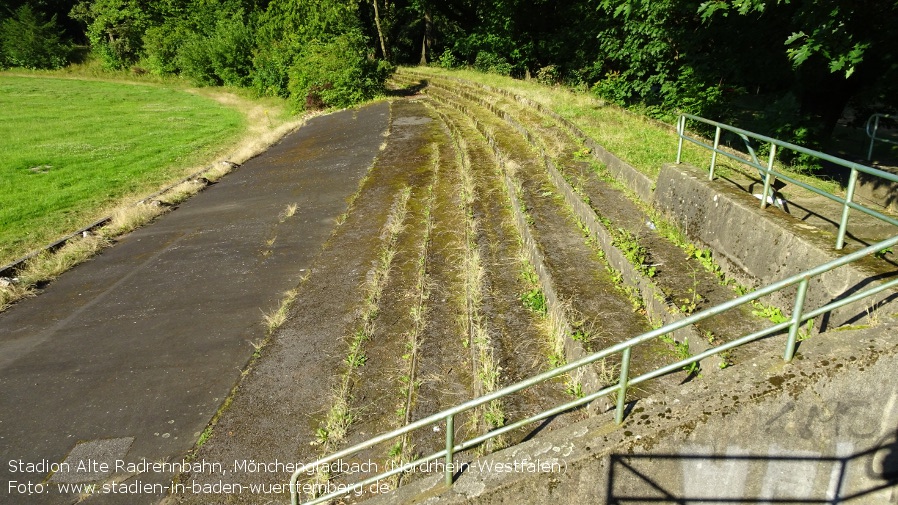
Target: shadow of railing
[(742, 478)]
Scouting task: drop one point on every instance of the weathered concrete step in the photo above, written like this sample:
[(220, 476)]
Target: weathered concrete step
[(668, 296), (382, 378), (563, 246), (273, 414), (520, 336), (672, 283)]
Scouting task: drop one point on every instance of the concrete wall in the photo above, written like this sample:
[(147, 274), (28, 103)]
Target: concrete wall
[(877, 191), (759, 247)]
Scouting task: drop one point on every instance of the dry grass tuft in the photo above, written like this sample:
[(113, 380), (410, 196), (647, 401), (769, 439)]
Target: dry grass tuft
[(289, 212), (218, 171), (128, 219), (181, 192), (13, 292), (275, 319), (47, 266)]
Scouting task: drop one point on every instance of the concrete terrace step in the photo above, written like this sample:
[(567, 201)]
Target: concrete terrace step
[(669, 282), (583, 290)]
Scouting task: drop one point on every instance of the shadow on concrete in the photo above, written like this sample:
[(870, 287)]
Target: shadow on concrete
[(410, 90), (637, 478), (867, 283)]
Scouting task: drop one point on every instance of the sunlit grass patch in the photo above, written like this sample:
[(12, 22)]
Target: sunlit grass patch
[(72, 149)]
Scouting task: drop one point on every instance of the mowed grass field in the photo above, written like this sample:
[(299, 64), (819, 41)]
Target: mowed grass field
[(70, 150)]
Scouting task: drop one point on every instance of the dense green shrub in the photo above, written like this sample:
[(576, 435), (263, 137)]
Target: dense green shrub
[(614, 88), (690, 94), (28, 40), (115, 29), (492, 63), (194, 60), (231, 48), (548, 75), (271, 67), (447, 60), (222, 56), (161, 45), (338, 73)]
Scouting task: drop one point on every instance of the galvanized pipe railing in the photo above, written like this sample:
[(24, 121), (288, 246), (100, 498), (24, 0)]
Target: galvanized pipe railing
[(447, 416), (768, 173), (872, 127)]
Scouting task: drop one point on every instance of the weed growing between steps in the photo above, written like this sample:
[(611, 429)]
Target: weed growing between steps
[(703, 256), (339, 417), (497, 184), (484, 362), (403, 451)]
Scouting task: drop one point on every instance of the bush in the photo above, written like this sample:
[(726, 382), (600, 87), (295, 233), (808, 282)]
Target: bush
[(492, 63), (28, 40), (692, 95), (614, 88), (549, 75), (231, 47), (223, 56), (161, 45), (271, 67), (194, 60), (338, 73), (448, 60)]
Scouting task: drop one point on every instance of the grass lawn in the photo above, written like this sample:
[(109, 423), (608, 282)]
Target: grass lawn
[(72, 149)]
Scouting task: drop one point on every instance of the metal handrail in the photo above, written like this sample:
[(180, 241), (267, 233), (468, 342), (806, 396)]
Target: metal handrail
[(799, 316), (768, 173), (871, 128)]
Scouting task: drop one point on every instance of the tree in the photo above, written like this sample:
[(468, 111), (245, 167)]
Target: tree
[(115, 29), (28, 39), (838, 48)]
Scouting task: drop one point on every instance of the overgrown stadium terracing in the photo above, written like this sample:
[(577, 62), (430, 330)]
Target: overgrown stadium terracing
[(501, 247)]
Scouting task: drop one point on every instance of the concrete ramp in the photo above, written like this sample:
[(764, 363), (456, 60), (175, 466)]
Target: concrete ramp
[(128, 356)]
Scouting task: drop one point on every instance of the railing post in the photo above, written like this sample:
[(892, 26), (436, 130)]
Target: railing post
[(681, 130), (622, 392), (714, 153), (872, 135), (450, 446), (768, 179), (849, 196), (796, 319)]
